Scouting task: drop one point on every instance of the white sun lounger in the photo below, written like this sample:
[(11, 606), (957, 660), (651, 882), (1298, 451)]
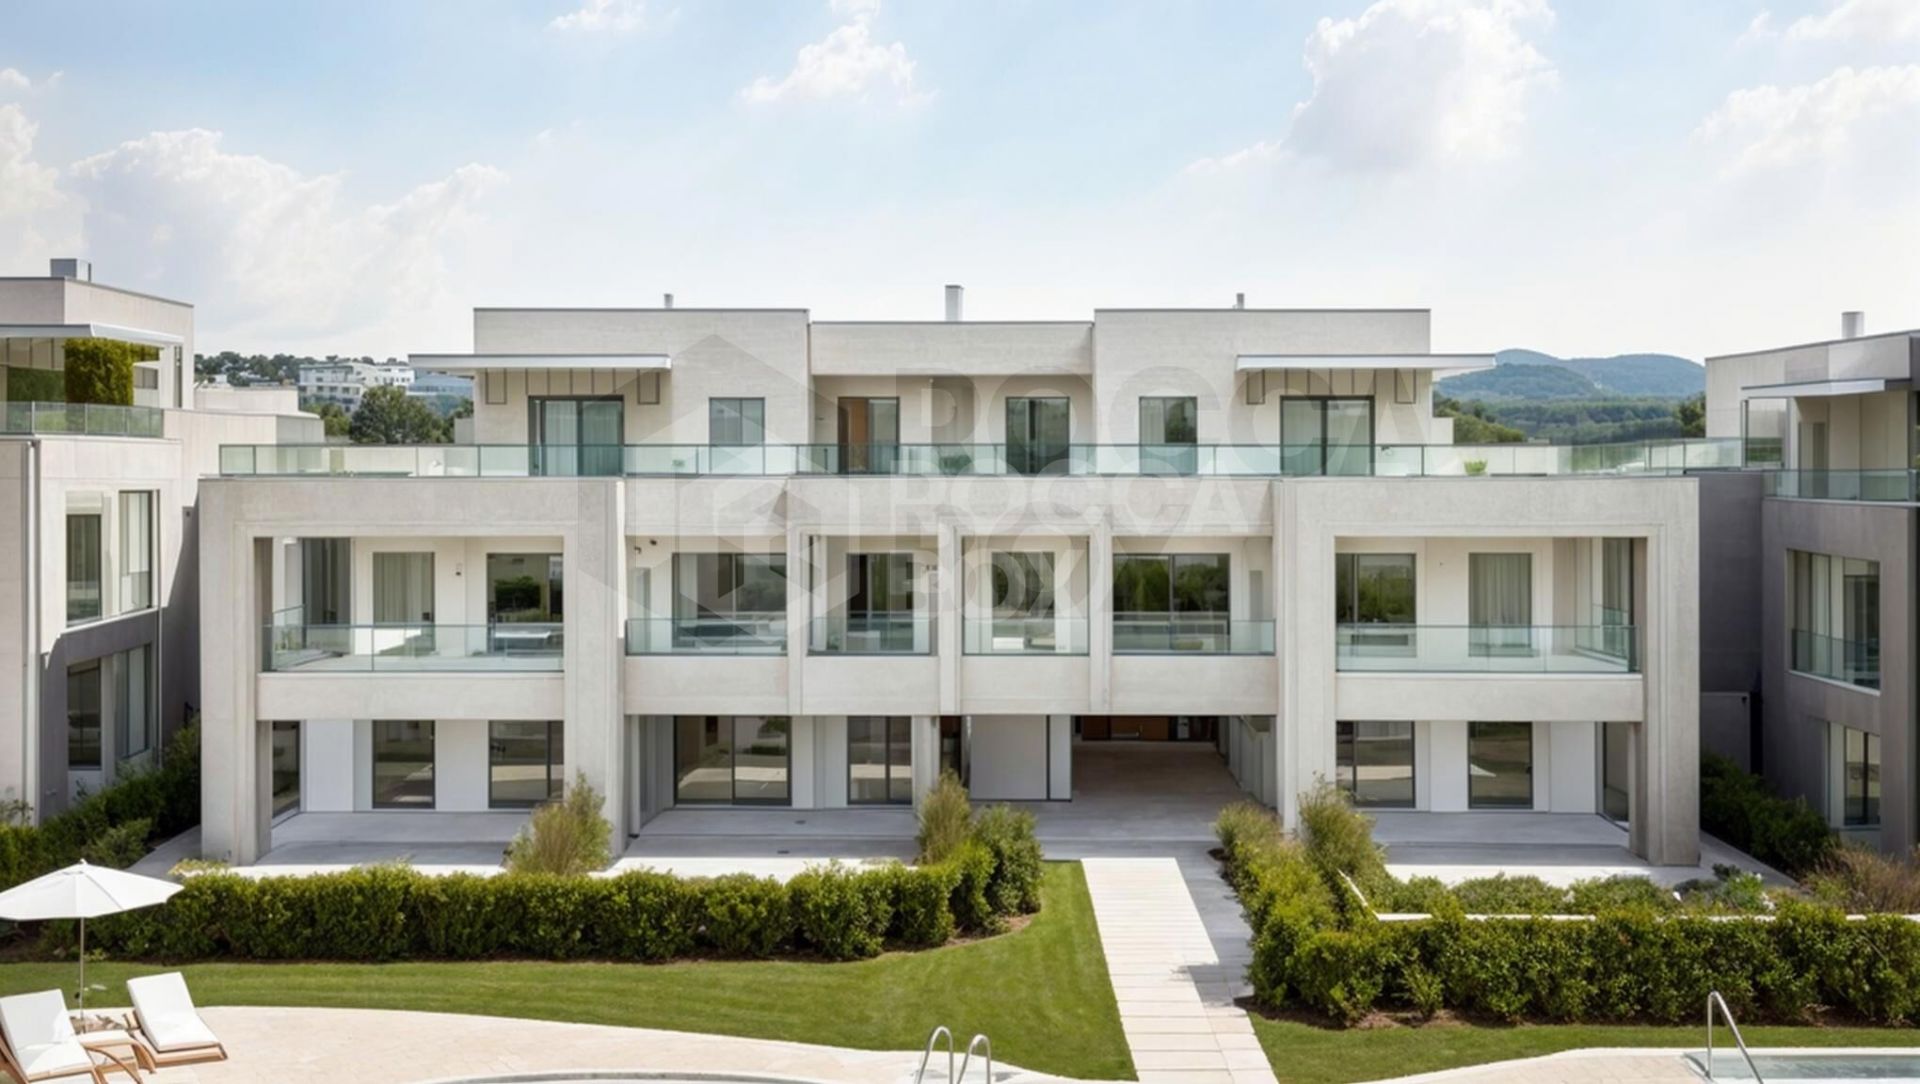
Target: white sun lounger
[(168, 1024), (40, 1043)]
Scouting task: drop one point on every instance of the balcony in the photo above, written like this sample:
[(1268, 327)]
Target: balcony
[(1845, 485), (1024, 636), (871, 634), (736, 634), (1501, 649), (398, 648), (1855, 662), (83, 419), (980, 460), (1160, 634)]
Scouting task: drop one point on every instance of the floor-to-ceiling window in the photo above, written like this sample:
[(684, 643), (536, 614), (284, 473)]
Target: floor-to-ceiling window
[(1163, 600), (869, 434), (286, 767), (134, 713), (1374, 603), (1860, 781), (736, 422), (1616, 771), (1499, 765), (525, 603), (879, 760), (326, 581), (1373, 763), (83, 716), (578, 437), (136, 551), (732, 759), (403, 764), (729, 600), (1169, 431), (403, 604), (1039, 438), (1022, 598), (1836, 617), (524, 762), (1326, 436), (84, 596), (1500, 603), (879, 602)]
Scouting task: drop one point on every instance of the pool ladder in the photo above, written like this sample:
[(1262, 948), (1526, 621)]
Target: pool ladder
[(1713, 999), (978, 1042)]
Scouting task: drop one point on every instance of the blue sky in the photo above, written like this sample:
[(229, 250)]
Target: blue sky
[(1581, 176)]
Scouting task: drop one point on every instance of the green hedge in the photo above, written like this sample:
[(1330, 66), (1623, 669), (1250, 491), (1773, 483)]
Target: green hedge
[(114, 823), (100, 370), (1632, 963), (1736, 806), (393, 912)]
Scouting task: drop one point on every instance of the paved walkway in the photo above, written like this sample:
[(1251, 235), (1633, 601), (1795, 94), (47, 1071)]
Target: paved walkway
[(367, 1046), (1175, 989)]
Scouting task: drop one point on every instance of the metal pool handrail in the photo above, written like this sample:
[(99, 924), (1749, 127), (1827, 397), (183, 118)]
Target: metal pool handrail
[(977, 1040), (933, 1037), (1714, 998)]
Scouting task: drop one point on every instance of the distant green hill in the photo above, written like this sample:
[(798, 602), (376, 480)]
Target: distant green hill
[(1531, 375)]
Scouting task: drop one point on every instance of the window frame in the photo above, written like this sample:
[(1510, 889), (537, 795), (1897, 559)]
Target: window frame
[(738, 403), (433, 768), (95, 536), (1347, 746), (554, 743), (886, 724), (1502, 805)]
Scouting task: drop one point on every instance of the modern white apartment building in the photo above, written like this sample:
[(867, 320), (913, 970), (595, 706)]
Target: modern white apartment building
[(1834, 557), (716, 558), (98, 593), (344, 382)]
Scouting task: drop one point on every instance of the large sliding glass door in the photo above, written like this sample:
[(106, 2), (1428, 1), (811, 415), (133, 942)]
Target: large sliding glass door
[(729, 600), (1499, 765), (1326, 436), (1169, 434), (1500, 604), (1165, 601), (1038, 434), (403, 764), (577, 437), (869, 435), (879, 602), (732, 760), (879, 760)]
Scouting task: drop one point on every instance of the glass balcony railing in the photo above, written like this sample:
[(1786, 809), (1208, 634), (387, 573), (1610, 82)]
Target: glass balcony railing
[(412, 648), (1845, 485), (1856, 662), (1195, 634), (736, 634), (1533, 649), (981, 460), (83, 419), (1024, 636), (871, 634)]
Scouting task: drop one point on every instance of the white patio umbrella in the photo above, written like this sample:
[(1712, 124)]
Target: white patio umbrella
[(83, 892)]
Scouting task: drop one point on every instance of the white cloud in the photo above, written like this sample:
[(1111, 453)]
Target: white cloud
[(846, 63), (1845, 20), (1771, 127), (260, 244), (1415, 82), (36, 217), (15, 81), (616, 16)]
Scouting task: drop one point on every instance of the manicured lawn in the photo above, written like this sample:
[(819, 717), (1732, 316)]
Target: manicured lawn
[(1309, 1054), (1042, 993)]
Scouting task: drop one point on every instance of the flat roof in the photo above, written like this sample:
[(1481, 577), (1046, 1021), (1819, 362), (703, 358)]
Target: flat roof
[(97, 286), (1804, 389), (1822, 342), (1462, 363), (465, 362), (90, 331)]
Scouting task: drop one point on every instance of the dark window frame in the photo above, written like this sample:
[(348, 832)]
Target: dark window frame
[(555, 740), (886, 723)]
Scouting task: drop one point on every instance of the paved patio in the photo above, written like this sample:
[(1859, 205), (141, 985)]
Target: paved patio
[(768, 842), (1559, 848), (430, 842)]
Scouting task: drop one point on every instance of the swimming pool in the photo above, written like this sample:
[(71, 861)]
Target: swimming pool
[(625, 1077), (1814, 1065)]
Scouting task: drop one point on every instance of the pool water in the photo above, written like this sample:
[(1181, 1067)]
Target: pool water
[(1811, 1066)]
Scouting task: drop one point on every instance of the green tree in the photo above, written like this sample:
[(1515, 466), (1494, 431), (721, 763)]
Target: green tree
[(1473, 423), (388, 415), (335, 417), (1691, 413), (100, 371)]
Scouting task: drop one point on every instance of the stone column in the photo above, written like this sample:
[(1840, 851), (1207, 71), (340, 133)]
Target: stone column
[(924, 748), (1100, 617), (235, 822), (1665, 811), (946, 615), (595, 659)]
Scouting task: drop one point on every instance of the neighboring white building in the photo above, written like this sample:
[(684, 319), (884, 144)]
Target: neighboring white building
[(345, 382), (98, 585), (741, 557)]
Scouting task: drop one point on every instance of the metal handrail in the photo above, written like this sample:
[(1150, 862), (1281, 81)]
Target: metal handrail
[(1714, 998), (920, 1074), (977, 1040)]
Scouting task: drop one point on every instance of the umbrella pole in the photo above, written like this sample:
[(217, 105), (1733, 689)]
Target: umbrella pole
[(83, 964)]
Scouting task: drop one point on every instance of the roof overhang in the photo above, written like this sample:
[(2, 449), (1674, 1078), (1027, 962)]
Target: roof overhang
[(473, 363), (89, 331), (1448, 363), (1806, 389)]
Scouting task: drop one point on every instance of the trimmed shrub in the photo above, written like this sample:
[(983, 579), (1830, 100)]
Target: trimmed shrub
[(1339, 839), (567, 837), (743, 915), (1621, 892), (922, 904), (1008, 834), (1736, 805), (946, 820), (646, 915), (100, 371), (119, 846), (1503, 895), (972, 907), (840, 913)]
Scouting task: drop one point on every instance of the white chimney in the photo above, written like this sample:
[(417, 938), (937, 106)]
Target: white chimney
[(666, 301), (69, 268), (954, 296), (1239, 301), (1853, 324)]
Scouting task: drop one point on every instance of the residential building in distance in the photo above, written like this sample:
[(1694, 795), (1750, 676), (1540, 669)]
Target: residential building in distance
[(344, 381), (1834, 562), (98, 568), (723, 558)]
